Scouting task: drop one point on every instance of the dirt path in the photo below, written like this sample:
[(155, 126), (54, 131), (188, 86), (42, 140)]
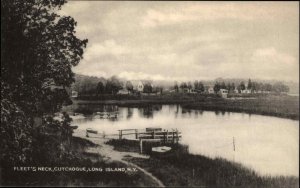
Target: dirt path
[(110, 154)]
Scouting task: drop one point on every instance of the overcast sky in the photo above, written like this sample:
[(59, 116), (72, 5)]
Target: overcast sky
[(188, 40)]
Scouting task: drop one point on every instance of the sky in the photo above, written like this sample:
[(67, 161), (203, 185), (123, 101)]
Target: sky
[(188, 40)]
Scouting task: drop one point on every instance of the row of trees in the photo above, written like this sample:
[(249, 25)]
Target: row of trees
[(86, 85), (251, 86), (94, 86), (198, 86)]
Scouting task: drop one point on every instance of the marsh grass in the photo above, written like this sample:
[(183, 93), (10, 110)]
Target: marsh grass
[(179, 168)]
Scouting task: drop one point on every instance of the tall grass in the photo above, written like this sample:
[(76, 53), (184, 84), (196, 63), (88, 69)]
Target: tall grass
[(179, 168)]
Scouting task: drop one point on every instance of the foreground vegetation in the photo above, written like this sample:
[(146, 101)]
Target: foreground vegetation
[(76, 158), (184, 169)]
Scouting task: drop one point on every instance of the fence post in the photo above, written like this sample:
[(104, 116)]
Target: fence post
[(120, 134), (173, 138), (177, 138), (167, 136), (136, 134), (141, 146)]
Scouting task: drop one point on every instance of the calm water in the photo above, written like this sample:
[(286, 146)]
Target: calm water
[(269, 145)]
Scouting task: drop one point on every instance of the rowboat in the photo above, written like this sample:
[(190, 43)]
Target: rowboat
[(89, 130), (161, 149), (74, 126)]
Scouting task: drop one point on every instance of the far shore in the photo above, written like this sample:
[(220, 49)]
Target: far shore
[(283, 106)]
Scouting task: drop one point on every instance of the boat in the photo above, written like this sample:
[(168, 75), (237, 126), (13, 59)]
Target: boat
[(74, 127), (161, 149), (89, 130)]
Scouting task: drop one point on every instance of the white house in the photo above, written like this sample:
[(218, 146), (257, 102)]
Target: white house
[(141, 85), (223, 93), (211, 90), (246, 91), (123, 92), (74, 94)]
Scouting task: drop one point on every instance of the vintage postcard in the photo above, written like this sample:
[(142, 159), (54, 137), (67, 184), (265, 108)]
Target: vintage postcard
[(149, 93)]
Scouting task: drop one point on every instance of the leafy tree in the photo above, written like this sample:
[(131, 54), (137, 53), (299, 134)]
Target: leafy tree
[(113, 85), (217, 87), (189, 85), (267, 87), (176, 88), (223, 86), (129, 86), (196, 85), (280, 87), (250, 85), (100, 88), (39, 48), (147, 88), (183, 85), (242, 86), (201, 87)]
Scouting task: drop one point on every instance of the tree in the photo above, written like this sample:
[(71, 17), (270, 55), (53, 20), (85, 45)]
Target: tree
[(176, 88), (189, 85), (280, 87), (223, 85), (242, 86), (39, 49), (217, 87), (129, 86), (201, 87), (196, 85), (113, 85), (100, 88), (250, 85), (147, 88), (183, 85)]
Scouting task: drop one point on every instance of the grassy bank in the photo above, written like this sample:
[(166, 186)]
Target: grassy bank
[(78, 158), (283, 106), (184, 169), (278, 106)]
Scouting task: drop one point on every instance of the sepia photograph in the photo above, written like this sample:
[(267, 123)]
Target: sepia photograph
[(149, 93)]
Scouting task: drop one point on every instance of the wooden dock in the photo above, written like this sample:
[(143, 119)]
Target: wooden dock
[(164, 136), (152, 133)]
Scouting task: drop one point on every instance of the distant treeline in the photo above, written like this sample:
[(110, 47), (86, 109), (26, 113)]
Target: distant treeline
[(251, 86), (93, 86), (86, 85)]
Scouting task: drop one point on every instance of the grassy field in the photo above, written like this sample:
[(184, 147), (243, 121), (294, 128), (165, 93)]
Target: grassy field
[(184, 169), (279, 106)]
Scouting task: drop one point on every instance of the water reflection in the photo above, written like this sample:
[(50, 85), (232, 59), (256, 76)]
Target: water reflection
[(257, 138), (129, 113), (148, 110)]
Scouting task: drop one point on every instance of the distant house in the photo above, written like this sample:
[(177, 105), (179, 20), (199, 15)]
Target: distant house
[(74, 94), (223, 93), (140, 86), (123, 92), (210, 90), (144, 87), (246, 91)]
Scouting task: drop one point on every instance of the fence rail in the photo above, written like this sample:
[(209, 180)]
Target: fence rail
[(165, 135)]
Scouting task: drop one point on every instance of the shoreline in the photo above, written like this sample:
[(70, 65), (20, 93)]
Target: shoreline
[(274, 106)]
